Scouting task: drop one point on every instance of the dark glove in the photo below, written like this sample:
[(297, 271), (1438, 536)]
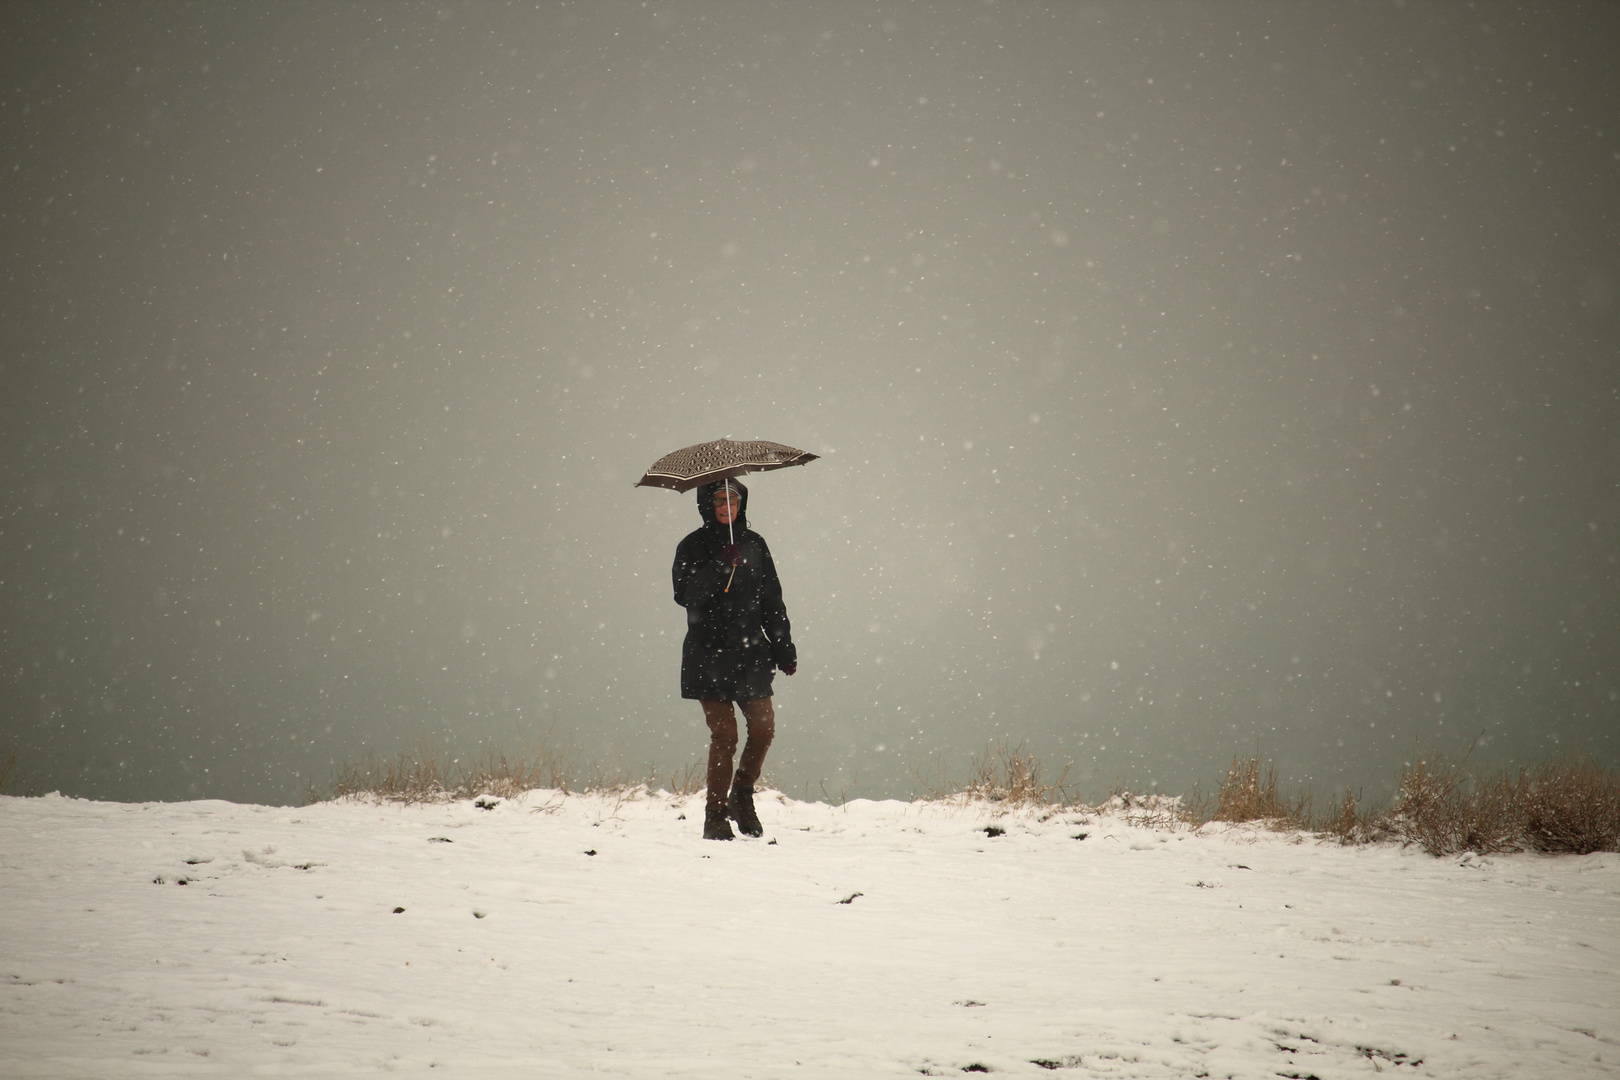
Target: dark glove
[(731, 554), (788, 669)]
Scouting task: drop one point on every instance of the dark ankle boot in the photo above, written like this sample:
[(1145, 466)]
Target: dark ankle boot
[(741, 810), (715, 825)]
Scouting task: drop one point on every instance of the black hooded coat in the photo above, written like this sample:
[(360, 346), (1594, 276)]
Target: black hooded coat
[(735, 639)]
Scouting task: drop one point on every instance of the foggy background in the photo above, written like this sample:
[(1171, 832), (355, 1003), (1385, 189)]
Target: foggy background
[(1189, 379)]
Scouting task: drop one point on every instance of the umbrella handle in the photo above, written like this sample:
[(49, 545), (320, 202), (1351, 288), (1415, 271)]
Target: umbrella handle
[(731, 534)]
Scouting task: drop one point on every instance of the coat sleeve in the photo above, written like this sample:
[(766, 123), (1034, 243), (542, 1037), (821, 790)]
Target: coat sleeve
[(695, 577), (773, 613)]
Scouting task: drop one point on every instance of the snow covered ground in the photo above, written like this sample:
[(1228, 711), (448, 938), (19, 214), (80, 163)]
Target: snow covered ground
[(586, 936)]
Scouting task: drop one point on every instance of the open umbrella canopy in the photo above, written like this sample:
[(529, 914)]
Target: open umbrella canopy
[(685, 469)]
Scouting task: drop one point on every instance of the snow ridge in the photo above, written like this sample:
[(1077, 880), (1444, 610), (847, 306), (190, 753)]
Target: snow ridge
[(590, 935)]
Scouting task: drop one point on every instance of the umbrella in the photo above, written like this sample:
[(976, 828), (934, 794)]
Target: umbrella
[(686, 469), (722, 459)]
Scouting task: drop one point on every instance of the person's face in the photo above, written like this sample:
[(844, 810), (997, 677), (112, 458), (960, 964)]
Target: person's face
[(726, 505)]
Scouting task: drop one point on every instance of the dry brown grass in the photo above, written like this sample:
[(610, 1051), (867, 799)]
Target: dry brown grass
[(418, 778), (1009, 777), (1249, 794), (1559, 806), (427, 777), (693, 779), (1562, 806), (1346, 822), (1152, 811), (1571, 806), (495, 774), (9, 769), (1443, 810)]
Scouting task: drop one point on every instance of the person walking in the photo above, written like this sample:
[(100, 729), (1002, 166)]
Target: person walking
[(737, 634)]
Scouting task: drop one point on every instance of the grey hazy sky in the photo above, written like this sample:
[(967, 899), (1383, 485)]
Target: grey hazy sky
[(1190, 379)]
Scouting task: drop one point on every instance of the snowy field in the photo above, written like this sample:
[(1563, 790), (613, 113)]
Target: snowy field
[(584, 936)]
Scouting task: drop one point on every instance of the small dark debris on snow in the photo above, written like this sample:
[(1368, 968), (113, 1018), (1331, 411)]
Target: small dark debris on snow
[(399, 911), (1286, 1049), (440, 840), (486, 802), (198, 859), (158, 880), (1070, 1061), (994, 830), (850, 899), (975, 1067), (969, 1003), (1370, 1052), (1300, 1076), (772, 842), (593, 850), (479, 914), (1239, 866), (680, 817), (1079, 836)]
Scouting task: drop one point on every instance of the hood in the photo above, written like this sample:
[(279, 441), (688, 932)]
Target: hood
[(705, 501)]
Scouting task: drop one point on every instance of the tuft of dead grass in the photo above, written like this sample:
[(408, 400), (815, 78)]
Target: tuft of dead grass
[(1151, 810), (9, 770), (1443, 810), (1249, 794), (426, 777), (1007, 776), (15, 778), (1345, 821), (419, 778), (1571, 806), (1558, 806), (693, 779)]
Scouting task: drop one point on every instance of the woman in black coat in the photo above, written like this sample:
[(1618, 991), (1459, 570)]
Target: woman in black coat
[(737, 633)]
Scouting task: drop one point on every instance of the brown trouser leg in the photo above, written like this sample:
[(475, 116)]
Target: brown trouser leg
[(722, 722)]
